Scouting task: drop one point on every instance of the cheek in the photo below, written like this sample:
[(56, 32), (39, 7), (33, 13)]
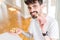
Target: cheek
[(38, 9), (30, 11)]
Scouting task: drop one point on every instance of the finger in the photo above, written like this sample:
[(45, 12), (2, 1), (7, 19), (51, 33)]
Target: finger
[(18, 31)]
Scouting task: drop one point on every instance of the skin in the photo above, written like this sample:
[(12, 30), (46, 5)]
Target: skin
[(36, 12)]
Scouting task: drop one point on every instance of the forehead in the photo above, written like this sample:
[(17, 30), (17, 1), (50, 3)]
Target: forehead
[(36, 4)]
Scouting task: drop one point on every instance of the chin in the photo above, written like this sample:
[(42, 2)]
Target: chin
[(34, 17)]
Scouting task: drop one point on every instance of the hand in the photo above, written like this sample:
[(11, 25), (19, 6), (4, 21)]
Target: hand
[(15, 31), (42, 20)]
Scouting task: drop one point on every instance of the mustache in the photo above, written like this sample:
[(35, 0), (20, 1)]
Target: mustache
[(34, 16), (33, 12)]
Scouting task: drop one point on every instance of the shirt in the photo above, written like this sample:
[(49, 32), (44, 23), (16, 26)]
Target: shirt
[(51, 27)]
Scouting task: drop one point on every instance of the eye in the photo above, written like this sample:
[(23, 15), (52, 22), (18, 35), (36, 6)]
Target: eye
[(29, 8)]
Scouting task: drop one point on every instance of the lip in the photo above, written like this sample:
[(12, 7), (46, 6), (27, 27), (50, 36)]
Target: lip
[(33, 13), (34, 16)]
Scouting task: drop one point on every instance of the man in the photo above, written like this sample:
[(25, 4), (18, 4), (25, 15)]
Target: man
[(48, 25), (42, 27)]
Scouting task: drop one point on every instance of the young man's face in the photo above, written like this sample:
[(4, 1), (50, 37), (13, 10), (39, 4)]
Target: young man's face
[(34, 9)]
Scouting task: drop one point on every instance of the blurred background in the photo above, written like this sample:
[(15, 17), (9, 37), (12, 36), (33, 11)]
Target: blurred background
[(15, 14)]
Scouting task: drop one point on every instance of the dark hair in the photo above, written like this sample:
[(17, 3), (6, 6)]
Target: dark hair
[(33, 1)]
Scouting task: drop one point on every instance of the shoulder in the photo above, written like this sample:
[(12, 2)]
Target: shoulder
[(51, 20), (52, 23), (53, 29)]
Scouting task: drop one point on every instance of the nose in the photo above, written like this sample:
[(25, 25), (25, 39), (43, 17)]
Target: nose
[(31, 10)]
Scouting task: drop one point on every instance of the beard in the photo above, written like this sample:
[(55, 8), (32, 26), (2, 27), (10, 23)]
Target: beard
[(34, 16)]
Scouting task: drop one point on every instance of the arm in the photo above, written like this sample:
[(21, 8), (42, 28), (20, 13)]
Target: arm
[(48, 38), (27, 34), (53, 33), (20, 31)]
